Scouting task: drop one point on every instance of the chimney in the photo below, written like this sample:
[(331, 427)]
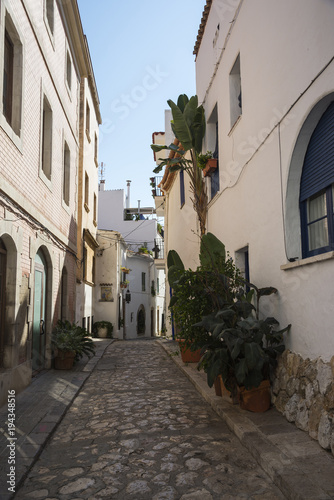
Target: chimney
[(102, 185), (128, 194)]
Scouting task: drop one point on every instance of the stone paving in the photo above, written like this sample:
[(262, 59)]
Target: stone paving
[(140, 430)]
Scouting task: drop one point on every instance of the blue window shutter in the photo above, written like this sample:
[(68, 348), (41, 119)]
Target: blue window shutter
[(318, 169), (182, 195)]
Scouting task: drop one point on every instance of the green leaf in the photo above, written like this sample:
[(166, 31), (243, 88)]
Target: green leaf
[(158, 147), (182, 101), (172, 301), (212, 252), (241, 371), (266, 291), (180, 127), (198, 129), (173, 259), (253, 379), (173, 275), (254, 355), (158, 169)]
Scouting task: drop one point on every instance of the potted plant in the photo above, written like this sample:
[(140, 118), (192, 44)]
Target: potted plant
[(207, 163), (103, 329), (70, 343), (188, 127), (124, 283), (242, 348), (190, 300)]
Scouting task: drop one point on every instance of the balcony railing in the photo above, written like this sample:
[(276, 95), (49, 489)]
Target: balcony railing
[(159, 249)]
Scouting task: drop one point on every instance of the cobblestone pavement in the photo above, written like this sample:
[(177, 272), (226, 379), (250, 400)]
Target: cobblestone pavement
[(139, 430)]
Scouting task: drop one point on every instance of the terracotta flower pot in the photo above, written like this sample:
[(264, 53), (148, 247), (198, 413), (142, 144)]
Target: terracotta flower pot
[(257, 399), (217, 386), (210, 167), (187, 355), (64, 360)]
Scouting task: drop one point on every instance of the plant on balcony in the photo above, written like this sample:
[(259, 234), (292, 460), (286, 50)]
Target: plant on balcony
[(188, 126), (124, 283), (207, 163)]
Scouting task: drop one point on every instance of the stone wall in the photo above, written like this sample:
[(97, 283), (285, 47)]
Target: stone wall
[(303, 391)]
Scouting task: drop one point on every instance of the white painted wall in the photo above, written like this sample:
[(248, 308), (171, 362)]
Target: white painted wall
[(111, 217), (281, 70)]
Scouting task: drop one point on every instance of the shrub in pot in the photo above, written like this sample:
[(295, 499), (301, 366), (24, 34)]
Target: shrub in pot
[(242, 348), (103, 329), (70, 342), (192, 297)]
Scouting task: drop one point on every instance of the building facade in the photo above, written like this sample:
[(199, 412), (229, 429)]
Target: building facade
[(269, 111), (42, 62)]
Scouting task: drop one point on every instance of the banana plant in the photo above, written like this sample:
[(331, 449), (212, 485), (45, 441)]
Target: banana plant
[(188, 126)]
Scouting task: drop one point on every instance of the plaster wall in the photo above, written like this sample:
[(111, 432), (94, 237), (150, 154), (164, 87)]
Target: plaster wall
[(257, 205)]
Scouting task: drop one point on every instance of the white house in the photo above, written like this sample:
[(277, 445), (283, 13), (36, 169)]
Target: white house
[(264, 74), (129, 289)]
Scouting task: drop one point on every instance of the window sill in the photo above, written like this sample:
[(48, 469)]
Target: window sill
[(308, 260)]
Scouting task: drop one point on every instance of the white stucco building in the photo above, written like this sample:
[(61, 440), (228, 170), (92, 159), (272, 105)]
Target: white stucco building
[(264, 74), (132, 300)]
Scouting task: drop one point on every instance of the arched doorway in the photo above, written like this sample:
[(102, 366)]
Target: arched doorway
[(38, 347), (141, 321), (3, 264)]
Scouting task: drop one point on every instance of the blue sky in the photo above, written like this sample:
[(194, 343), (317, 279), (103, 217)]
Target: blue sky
[(142, 54)]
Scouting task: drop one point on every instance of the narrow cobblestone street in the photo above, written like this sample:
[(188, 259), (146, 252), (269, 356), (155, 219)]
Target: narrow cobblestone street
[(139, 430)]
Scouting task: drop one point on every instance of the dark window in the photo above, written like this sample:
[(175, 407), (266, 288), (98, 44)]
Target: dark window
[(46, 138), (182, 194), (7, 97), (68, 70), (66, 177), (143, 282), (49, 7), (317, 189), (215, 174), (2, 299)]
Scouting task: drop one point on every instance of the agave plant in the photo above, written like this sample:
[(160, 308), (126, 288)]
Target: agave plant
[(188, 126)]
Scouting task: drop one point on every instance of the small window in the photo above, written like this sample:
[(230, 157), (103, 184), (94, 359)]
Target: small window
[(86, 200), (235, 92), (84, 264), (66, 176), (93, 269), (157, 285), (46, 138), (95, 209), (68, 70), (95, 150), (88, 121), (182, 193), (143, 282), (12, 76), (49, 14)]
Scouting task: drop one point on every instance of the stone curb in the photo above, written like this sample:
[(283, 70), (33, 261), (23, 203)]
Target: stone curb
[(284, 452), (44, 416)]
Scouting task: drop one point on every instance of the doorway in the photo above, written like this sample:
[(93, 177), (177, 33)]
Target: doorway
[(38, 331)]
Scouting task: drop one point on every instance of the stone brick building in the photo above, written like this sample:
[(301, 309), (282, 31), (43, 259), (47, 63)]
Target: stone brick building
[(44, 61)]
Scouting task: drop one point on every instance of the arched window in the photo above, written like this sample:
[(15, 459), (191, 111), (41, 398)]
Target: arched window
[(317, 189), (3, 260)]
